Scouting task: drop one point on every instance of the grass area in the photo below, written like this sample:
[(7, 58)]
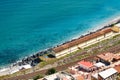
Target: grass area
[(3, 77), (38, 77), (44, 63), (96, 44)]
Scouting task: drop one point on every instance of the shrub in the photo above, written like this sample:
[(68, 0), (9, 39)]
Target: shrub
[(51, 71), (38, 77)]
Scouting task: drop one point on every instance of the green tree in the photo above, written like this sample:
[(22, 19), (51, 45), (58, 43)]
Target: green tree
[(51, 71)]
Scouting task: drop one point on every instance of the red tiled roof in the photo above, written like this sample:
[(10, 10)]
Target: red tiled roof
[(106, 56), (86, 63), (117, 57), (81, 40)]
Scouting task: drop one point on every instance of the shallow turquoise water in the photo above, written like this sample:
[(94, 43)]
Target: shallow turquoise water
[(27, 26)]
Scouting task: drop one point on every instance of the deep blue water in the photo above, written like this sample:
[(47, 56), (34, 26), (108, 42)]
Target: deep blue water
[(27, 26)]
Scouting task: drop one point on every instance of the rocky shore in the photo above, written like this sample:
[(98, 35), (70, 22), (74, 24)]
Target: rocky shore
[(34, 59)]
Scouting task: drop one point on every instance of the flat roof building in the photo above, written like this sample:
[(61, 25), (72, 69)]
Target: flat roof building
[(109, 74), (99, 64), (81, 40)]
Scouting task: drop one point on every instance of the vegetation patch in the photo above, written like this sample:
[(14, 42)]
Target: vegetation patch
[(38, 77), (51, 71)]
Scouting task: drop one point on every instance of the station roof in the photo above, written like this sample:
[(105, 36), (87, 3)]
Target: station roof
[(81, 40)]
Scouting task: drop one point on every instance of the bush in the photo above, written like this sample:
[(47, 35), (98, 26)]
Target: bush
[(51, 71), (38, 77)]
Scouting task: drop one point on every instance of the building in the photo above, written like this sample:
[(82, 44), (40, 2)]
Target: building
[(116, 57), (99, 65), (86, 65), (59, 76), (117, 25), (79, 77), (116, 28), (75, 73), (94, 76), (109, 74), (108, 58), (117, 67), (83, 42)]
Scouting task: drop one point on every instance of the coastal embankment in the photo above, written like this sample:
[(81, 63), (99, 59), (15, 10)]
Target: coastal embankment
[(33, 60)]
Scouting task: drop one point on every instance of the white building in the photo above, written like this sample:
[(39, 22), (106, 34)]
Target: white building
[(59, 76), (109, 74), (99, 65)]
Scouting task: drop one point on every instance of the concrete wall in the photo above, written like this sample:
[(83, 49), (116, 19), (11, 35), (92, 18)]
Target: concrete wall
[(92, 78), (82, 44), (73, 49), (62, 53), (100, 37), (91, 41), (108, 34), (67, 51)]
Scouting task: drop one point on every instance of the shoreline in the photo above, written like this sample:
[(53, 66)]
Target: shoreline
[(27, 60)]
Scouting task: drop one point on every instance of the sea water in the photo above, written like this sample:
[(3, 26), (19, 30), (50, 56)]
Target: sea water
[(28, 26)]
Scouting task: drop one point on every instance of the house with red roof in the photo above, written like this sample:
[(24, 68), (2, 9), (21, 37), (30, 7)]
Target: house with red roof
[(86, 65)]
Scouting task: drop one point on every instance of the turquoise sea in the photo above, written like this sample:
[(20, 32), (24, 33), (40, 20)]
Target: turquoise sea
[(28, 26)]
